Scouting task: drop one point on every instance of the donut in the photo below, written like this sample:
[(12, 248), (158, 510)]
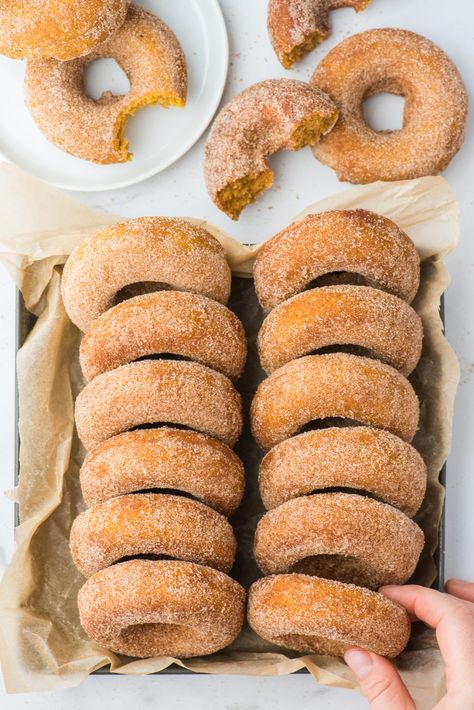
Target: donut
[(147, 608), (165, 458), (350, 241), (336, 385), (171, 322), (58, 30), (156, 392), (266, 117), (151, 57), (296, 27), (339, 536), (313, 615), (354, 458), (151, 524), (397, 62), (382, 325), (163, 250)]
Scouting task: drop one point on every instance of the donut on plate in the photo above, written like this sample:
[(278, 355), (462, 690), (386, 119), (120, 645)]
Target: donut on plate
[(266, 117), (151, 57), (397, 62)]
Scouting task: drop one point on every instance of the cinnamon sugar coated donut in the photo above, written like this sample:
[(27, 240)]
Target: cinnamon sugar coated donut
[(171, 322), (397, 62), (296, 27), (156, 392), (355, 458), (59, 30), (164, 458), (148, 249), (321, 616), (336, 385), (347, 537), (147, 608), (266, 117), (151, 57), (382, 325), (353, 241), (150, 523)]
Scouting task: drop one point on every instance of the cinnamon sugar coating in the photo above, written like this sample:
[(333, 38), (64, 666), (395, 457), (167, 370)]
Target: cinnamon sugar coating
[(353, 241), (165, 250), (384, 326), (296, 27), (151, 57), (156, 392), (347, 537), (313, 615), (336, 385), (398, 62), (147, 608), (272, 115), (354, 458), (164, 458), (172, 322), (57, 30)]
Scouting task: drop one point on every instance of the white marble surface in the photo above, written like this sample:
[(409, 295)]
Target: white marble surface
[(299, 181)]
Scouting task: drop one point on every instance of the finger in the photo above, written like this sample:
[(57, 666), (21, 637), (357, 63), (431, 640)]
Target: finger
[(422, 603), (379, 680), (460, 589)]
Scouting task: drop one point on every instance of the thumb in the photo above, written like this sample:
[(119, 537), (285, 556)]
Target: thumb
[(379, 681)]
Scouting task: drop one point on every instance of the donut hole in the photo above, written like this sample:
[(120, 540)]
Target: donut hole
[(104, 79), (383, 112), (348, 490), (345, 348), (160, 425), (328, 422), (140, 288), (343, 568), (163, 356), (167, 491), (337, 278), (145, 556)]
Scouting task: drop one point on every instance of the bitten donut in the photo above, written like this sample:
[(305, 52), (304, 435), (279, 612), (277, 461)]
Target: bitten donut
[(355, 458), (313, 615), (58, 30), (352, 241), (342, 536), (147, 608), (335, 385), (161, 250), (165, 458), (297, 26), (157, 392), (266, 117), (165, 322), (151, 57), (151, 524), (381, 325), (397, 62)]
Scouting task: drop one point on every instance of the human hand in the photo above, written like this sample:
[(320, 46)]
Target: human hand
[(451, 614)]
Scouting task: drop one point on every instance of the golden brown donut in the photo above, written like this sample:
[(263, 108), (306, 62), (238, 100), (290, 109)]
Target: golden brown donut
[(357, 458), (148, 249), (313, 615), (383, 325), (353, 241), (297, 26), (59, 30), (157, 392), (172, 322), (397, 62), (151, 57), (340, 536), (147, 608), (272, 115), (336, 385), (151, 524), (165, 458)]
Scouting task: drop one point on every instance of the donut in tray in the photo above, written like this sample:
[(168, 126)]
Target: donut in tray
[(146, 608), (356, 242), (151, 57)]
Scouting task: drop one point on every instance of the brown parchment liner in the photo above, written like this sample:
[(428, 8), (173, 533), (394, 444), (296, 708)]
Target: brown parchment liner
[(42, 646)]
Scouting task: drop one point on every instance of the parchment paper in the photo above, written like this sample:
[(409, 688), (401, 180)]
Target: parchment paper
[(42, 646)]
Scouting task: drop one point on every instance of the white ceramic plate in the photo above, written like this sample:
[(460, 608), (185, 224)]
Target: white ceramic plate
[(157, 136)]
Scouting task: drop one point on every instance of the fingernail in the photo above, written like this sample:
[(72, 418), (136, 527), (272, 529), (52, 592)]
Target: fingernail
[(359, 661)]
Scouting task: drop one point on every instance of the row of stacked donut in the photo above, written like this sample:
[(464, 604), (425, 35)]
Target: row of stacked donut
[(161, 493), (339, 499)]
